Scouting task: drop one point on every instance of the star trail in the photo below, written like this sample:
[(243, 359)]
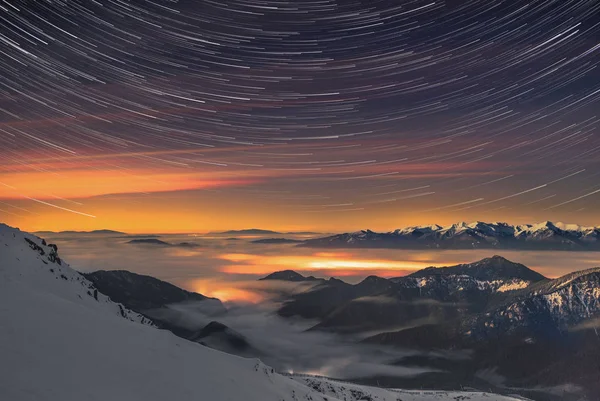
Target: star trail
[(319, 114)]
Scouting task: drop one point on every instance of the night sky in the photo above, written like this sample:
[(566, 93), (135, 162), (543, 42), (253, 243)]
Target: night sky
[(315, 115)]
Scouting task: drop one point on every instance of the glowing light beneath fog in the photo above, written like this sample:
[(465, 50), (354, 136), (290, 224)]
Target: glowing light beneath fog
[(341, 263)]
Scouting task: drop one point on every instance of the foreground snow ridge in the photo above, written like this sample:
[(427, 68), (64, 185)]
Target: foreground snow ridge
[(352, 392), (28, 261), (61, 340)]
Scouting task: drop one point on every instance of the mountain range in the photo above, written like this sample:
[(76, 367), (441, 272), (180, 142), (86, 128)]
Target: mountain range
[(159, 243), (511, 320), (377, 303), (477, 235), (62, 339), (528, 330), (259, 231), (247, 231), (95, 232)]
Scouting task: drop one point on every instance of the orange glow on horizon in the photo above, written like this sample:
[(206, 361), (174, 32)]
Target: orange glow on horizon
[(364, 273), (349, 265), (225, 291), (77, 184), (197, 189)]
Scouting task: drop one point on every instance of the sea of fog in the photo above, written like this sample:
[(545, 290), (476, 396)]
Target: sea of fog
[(228, 267), (238, 261)]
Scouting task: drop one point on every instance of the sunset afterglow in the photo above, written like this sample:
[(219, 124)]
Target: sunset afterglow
[(338, 264), (224, 291)]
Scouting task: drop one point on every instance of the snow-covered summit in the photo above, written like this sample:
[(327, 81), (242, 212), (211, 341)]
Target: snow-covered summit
[(28, 261), (541, 236)]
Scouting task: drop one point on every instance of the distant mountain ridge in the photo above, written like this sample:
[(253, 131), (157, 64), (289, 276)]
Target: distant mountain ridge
[(260, 231), (533, 331), (377, 302), (248, 231), (494, 268), (140, 292), (160, 243), (148, 241), (103, 231), (276, 241), (289, 275), (477, 235)]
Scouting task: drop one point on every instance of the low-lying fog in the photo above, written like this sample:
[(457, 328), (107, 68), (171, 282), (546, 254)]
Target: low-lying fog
[(216, 264), (228, 267)]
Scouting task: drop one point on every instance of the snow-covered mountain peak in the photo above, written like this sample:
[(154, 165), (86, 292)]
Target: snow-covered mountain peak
[(495, 268), (558, 226), (463, 235), (573, 227), (542, 226), (27, 260), (456, 227), (418, 229)]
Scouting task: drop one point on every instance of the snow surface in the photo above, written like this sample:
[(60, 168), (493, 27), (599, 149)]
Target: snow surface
[(465, 280), (353, 392), (26, 260), (60, 342)]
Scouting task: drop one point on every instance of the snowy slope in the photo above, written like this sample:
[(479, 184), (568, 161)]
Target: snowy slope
[(58, 343), (353, 392), (26, 260), (556, 305)]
